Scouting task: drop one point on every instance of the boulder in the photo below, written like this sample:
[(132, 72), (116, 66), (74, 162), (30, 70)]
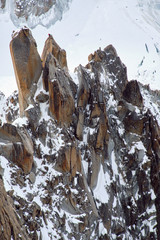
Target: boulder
[(27, 66), (132, 93), (42, 97)]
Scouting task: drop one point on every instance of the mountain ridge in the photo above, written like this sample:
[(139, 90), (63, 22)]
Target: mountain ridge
[(96, 148)]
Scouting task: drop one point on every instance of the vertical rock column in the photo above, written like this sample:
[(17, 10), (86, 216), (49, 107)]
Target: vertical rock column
[(27, 66), (57, 81)]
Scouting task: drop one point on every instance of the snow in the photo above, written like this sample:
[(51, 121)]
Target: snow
[(135, 36), (152, 104), (114, 165), (138, 145), (2, 106), (102, 229), (20, 121), (131, 26), (29, 107), (100, 191)]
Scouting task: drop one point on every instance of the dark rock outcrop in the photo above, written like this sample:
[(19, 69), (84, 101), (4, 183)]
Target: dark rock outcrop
[(132, 93)]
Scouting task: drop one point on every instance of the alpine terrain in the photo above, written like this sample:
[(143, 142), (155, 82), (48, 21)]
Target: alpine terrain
[(79, 152)]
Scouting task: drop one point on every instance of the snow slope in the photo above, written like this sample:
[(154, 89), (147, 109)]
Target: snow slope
[(131, 26)]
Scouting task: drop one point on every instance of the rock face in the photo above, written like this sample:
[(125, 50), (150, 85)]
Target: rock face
[(27, 66), (96, 151), (11, 226), (16, 145), (51, 49), (132, 94), (57, 81)]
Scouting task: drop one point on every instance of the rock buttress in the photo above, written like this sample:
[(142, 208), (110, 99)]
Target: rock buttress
[(27, 66)]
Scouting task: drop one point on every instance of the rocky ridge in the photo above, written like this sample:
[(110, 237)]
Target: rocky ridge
[(79, 162)]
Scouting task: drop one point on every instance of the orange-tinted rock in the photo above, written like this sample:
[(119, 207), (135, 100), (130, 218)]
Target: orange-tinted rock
[(69, 160), (61, 102), (102, 135), (27, 66), (96, 111), (16, 145), (52, 48), (97, 56), (11, 228)]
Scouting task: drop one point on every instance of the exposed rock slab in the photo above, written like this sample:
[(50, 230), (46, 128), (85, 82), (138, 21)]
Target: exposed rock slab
[(27, 66), (16, 145), (52, 48), (11, 226)]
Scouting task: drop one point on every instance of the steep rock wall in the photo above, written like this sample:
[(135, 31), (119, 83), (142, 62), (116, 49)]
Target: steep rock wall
[(96, 176)]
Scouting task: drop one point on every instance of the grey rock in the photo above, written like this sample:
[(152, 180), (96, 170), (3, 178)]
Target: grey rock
[(32, 177)]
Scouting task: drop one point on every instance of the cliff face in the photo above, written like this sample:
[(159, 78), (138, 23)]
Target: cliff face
[(93, 150)]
